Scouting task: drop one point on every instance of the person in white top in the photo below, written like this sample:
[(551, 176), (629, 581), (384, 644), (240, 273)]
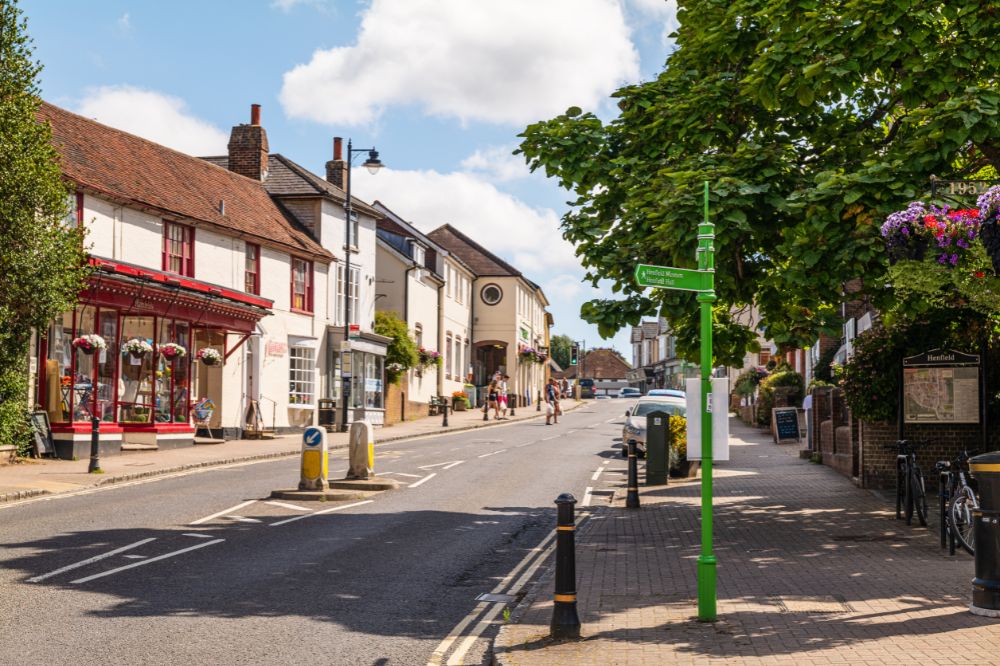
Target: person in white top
[(502, 395)]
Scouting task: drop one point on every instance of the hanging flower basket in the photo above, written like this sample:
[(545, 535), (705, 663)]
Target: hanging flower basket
[(209, 356), (989, 221), (171, 351), (428, 358), (90, 343), (137, 347), (948, 234)]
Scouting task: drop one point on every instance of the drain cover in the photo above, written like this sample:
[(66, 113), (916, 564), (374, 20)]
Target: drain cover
[(496, 598)]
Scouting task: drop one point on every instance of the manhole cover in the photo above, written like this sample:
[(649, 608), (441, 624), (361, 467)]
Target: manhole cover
[(813, 604), (496, 598)]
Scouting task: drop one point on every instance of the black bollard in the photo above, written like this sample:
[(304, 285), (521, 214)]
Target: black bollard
[(565, 621), (444, 415), (985, 468), (513, 402), (486, 410), (95, 446), (538, 403), (632, 490)]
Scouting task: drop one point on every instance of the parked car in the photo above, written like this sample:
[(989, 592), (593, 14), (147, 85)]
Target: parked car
[(629, 392), (635, 419), (673, 393), (586, 388)]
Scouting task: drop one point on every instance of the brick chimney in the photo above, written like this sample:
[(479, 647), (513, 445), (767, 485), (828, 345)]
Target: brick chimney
[(336, 169), (248, 147)]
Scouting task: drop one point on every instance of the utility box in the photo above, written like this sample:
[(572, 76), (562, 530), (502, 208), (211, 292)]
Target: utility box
[(657, 448)]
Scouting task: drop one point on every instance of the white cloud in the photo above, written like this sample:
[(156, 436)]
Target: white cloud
[(499, 61), (660, 10), (154, 116), (527, 237), (498, 163), (125, 23), (288, 5)]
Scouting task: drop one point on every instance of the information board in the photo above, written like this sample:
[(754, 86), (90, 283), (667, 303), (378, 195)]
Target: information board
[(785, 423), (941, 387)]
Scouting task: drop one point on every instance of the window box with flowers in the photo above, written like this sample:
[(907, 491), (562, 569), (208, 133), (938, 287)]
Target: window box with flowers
[(427, 358), (529, 355)]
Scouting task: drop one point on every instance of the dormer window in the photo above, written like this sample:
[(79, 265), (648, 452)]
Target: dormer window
[(417, 252)]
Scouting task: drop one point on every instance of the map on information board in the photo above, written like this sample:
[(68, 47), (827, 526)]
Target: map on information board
[(941, 395)]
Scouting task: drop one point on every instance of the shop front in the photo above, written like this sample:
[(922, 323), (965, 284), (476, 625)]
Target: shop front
[(362, 364), (134, 354)]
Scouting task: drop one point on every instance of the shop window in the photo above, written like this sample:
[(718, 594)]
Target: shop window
[(59, 369), (173, 374), (178, 249), (302, 287), (135, 391), (302, 375), (251, 274)]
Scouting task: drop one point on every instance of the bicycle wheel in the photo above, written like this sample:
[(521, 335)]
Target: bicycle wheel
[(918, 496), (962, 521)]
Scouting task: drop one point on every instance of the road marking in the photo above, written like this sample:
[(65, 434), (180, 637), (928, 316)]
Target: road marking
[(545, 439), (198, 535), (490, 454), (455, 633), (319, 513), (222, 513), (423, 480), (243, 519), (90, 560), (454, 464), (413, 476), (145, 562), (447, 462), (135, 557), (286, 505), (606, 462), (597, 474), (587, 496)]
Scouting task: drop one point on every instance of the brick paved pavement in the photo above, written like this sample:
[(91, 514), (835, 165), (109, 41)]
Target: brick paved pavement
[(812, 570)]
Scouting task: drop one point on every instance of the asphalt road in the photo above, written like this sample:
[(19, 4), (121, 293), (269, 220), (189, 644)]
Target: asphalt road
[(200, 569)]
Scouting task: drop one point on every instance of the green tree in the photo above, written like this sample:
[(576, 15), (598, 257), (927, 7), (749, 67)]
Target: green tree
[(402, 352), (559, 347), (42, 266), (812, 121)]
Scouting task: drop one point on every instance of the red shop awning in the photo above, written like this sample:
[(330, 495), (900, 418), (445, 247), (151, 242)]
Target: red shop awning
[(137, 290)]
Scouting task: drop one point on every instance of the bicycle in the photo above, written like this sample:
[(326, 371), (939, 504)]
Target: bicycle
[(958, 504), (910, 490)]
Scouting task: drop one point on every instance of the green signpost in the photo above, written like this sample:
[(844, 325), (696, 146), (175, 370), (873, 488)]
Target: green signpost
[(703, 282)]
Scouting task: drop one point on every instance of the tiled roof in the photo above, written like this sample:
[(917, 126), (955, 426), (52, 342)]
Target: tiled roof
[(481, 261), (129, 168), (650, 329), (604, 364), (286, 178)]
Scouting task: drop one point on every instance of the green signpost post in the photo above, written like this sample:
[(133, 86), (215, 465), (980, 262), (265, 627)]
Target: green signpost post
[(703, 282)]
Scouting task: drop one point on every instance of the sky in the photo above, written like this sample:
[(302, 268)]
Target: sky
[(440, 87)]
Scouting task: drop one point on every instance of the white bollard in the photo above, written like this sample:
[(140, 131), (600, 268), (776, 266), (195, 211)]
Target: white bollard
[(362, 451)]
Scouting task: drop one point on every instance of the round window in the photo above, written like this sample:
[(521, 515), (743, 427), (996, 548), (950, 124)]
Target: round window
[(491, 294)]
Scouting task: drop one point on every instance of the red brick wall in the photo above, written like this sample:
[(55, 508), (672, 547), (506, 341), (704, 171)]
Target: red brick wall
[(943, 442)]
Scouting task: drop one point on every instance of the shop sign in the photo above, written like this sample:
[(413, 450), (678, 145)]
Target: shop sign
[(275, 348), (524, 334), (354, 331)]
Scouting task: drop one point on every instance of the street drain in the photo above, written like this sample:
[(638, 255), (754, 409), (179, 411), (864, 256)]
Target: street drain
[(496, 598), (813, 604), (870, 537)]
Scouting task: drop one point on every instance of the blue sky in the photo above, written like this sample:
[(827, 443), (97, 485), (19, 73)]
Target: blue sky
[(440, 87)]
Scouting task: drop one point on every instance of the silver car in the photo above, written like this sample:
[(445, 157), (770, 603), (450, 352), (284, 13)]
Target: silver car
[(635, 419)]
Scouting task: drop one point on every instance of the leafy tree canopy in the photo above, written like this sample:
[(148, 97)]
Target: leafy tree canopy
[(41, 258), (811, 120), (559, 348)]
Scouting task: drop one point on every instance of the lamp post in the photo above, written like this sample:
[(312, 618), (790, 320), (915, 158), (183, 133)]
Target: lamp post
[(373, 164)]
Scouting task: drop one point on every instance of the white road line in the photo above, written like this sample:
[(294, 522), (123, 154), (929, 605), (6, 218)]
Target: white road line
[(440, 464), (135, 557), (286, 505), (587, 496), (414, 476), (222, 513), (423, 480), (243, 519), (597, 474), (458, 657), (606, 462), (90, 560), (545, 439), (455, 633), (145, 562), (198, 535), (320, 513), (454, 464), (490, 454)]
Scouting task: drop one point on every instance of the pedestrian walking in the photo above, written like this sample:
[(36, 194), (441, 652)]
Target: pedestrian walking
[(493, 395), (502, 397), (551, 403)]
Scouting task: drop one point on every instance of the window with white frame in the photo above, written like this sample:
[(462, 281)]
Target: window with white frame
[(468, 359), (448, 279), (418, 335), (459, 286), (354, 290), (417, 252), (449, 358), (301, 375)]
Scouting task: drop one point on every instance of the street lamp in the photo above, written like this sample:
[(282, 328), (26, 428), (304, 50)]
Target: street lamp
[(373, 164)]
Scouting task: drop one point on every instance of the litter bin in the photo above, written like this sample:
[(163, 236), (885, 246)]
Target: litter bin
[(986, 585), (657, 453), (327, 416)]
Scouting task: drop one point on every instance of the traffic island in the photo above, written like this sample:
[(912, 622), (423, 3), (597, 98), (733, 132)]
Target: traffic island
[(328, 495), (374, 484)]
